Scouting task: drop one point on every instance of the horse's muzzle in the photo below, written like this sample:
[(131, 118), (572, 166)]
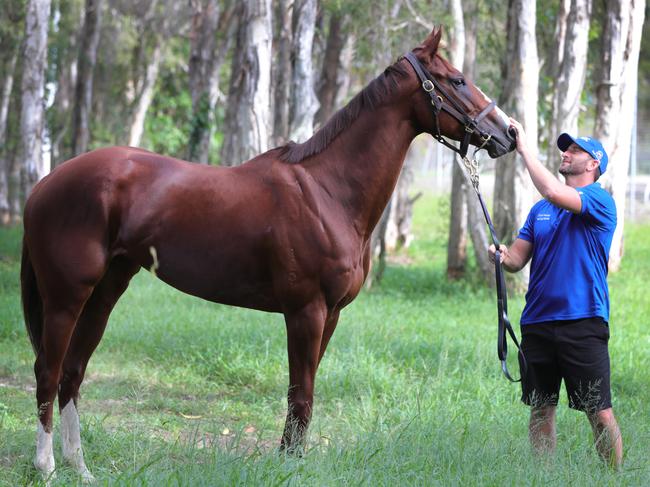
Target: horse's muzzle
[(502, 143)]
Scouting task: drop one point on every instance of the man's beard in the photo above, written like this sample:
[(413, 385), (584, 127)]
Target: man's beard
[(567, 171)]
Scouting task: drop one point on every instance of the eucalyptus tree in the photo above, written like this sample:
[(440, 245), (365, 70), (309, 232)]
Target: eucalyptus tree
[(329, 83), (11, 28), (248, 117), (147, 56), (210, 38), (569, 73), (513, 189), (85, 72), (32, 114), (281, 70), (303, 101), (616, 100), (457, 241)]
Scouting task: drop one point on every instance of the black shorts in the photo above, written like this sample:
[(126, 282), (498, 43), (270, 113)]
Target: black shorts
[(574, 350)]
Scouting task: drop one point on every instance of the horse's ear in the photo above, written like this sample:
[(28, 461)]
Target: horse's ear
[(431, 43)]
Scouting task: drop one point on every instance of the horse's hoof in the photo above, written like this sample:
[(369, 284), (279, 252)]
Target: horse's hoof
[(46, 470), (87, 477)]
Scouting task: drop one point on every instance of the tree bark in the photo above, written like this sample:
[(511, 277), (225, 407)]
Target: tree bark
[(475, 220), (282, 74), (84, 87), (206, 58), (145, 96), (248, 115), (32, 114), (329, 79), (65, 67), (457, 242), (304, 103), (616, 99), (513, 189), (570, 77), (5, 166)]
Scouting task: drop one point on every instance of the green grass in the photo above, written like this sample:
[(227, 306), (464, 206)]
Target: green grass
[(186, 392)]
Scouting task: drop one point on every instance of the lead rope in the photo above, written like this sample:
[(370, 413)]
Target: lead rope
[(472, 170)]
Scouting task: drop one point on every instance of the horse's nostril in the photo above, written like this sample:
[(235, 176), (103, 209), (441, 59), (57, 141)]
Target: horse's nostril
[(512, 132)]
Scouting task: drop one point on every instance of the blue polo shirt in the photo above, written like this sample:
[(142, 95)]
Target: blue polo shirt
[(568, 271)]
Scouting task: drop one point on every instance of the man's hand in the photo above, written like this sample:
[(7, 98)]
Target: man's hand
[(492, 252), (515, 257), (520, 138)]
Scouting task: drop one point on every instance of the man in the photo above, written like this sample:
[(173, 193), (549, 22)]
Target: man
[(564, 324)]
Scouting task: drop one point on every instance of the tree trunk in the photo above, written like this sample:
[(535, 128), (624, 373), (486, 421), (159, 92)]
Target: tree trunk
[(304, 103), (457, 243), (616, 98), (396, 232), (84, 87), (282, 74), (329, 78), (343, 79), (65, 67), (475, 219), (513, 188), (145, 96), (32, 114), (206, 57), (5, 166), (556, 51), (248, 116), (570, 77)]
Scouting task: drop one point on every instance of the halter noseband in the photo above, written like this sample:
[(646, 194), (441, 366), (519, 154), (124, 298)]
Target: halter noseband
[(451, 106)]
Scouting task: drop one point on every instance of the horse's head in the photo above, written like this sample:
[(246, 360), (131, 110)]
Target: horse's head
[(447, 104)]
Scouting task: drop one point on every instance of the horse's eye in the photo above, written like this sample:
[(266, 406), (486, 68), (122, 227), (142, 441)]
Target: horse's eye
[(458, 82)]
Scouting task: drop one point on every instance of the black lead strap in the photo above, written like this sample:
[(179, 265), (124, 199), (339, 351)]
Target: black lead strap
[(430, 85), (502, 298)]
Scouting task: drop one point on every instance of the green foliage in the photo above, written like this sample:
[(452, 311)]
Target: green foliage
[(168, 124), (185, 392)]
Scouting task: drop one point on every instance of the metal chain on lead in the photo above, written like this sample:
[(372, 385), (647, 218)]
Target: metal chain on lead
[(472, 164), (472, 170)]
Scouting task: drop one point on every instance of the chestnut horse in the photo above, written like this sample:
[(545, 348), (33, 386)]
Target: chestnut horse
[(286, 232)]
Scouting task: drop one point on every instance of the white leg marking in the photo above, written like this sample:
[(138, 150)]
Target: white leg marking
[(71, 437), (44, 461), (155, 264)]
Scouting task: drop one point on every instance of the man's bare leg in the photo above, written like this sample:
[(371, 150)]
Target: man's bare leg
[(607, 437), (541, 429)]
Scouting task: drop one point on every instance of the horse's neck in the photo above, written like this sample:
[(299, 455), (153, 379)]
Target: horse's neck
[(361, 166)]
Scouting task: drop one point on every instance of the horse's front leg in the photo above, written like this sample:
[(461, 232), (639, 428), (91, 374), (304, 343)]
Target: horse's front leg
[(304, 334)]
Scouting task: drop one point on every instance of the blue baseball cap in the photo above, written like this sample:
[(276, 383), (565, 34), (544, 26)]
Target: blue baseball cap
[(589, 145)]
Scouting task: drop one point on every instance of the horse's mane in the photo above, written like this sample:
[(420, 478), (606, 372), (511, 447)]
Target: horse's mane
[(372, 96)]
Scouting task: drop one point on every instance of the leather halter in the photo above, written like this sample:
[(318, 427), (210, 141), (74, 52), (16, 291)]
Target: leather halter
[(445, 102)]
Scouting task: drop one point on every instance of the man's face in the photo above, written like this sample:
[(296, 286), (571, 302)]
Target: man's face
[(575, 161)]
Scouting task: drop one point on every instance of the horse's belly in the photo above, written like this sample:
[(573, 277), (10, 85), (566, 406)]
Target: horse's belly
[(226, 274)]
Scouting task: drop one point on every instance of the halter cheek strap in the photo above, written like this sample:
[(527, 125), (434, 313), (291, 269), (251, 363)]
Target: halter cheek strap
[(445, 102)]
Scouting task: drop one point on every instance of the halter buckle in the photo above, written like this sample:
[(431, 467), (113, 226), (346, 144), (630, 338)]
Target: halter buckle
[(427, 84), (469, 129)]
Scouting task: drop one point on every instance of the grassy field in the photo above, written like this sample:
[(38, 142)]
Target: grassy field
[(185, 392)]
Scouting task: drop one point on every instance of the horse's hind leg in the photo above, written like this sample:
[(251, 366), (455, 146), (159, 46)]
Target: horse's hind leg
[(59, 319), (87, 334)]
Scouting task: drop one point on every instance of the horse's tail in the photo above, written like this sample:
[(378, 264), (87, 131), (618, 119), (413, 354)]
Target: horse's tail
[(32, 302)]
